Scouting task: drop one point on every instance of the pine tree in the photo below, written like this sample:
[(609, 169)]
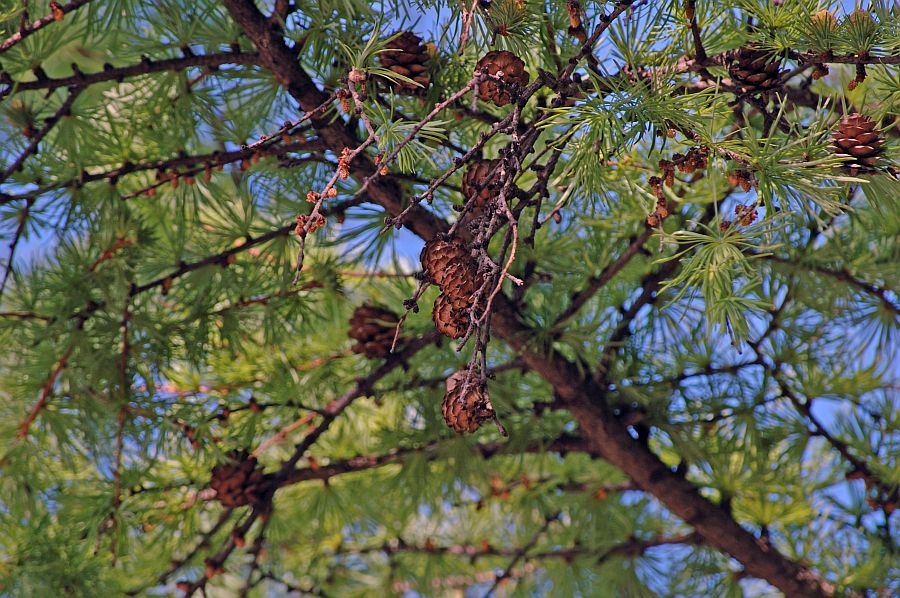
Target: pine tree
[(661, 254)]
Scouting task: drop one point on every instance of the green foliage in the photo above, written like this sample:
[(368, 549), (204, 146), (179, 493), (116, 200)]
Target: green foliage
[(153, 323)]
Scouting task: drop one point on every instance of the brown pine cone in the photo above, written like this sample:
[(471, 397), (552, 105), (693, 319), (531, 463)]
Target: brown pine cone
[(240, 481), (466, 413), (858, 142), (460, 284), (753, 69), (374, 328), (514, 74), (407, 56), (449, 320), (438, 255), (477, 174)]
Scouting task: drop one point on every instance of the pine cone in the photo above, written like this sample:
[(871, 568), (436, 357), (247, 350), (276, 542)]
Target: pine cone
[(753, 69), (477, 174), (514, 74), (449, 320), (466, 413), (858, 141), (439, 255), (374, 328), (240, 481), (448, 264), (407, 56)]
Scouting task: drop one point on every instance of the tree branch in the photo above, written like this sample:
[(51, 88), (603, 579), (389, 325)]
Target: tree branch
[(29, 28), (17, 236), (145, 67), (604, 434), (841, 275), (50, 122), (46, 390)]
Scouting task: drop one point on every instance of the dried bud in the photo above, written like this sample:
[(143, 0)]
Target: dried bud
[(356, 75), (57, 11)]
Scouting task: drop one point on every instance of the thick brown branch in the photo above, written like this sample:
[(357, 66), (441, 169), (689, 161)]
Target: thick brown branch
[(699, 51), (630, 548), (162, 165), (145, 67), (431, 451)]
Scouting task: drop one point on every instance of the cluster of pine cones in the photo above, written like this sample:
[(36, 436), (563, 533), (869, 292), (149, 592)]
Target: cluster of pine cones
[(448, 264), (504, 73), (240, 481)]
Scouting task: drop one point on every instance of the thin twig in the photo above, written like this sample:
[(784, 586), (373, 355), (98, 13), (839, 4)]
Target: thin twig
[(63, 110), (520, 554), (45, 392), (28, 28), (20, 230)]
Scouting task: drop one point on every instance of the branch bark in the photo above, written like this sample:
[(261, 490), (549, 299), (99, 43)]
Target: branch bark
[(39, 24), (119, 73)]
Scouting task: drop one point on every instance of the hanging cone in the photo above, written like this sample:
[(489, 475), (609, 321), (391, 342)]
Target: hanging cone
[(374, 328), (407, 56), (477, 175), (240, 481), (449, 320), (514, 74), (858, 142), (753, 69), (466, 413), (439, 255)]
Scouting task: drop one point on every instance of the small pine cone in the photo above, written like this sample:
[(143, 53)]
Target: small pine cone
[(477, 174), (858, 142), (514, 73), (460, 283), (438, 255), (240, 481), (407, 56), (449, 320), (466, 413), (753, 69), (374, 328)]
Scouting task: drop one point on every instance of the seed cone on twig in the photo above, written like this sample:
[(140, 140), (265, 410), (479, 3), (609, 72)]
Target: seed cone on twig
[(477, 175), (513, 74), (373, 328), (407, 56), (755, 70), (859, 142), (240, 481), (448, 264), (465, 412), (449, 320)]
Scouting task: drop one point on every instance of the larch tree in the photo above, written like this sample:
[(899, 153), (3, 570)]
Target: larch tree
[(490, 297)]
